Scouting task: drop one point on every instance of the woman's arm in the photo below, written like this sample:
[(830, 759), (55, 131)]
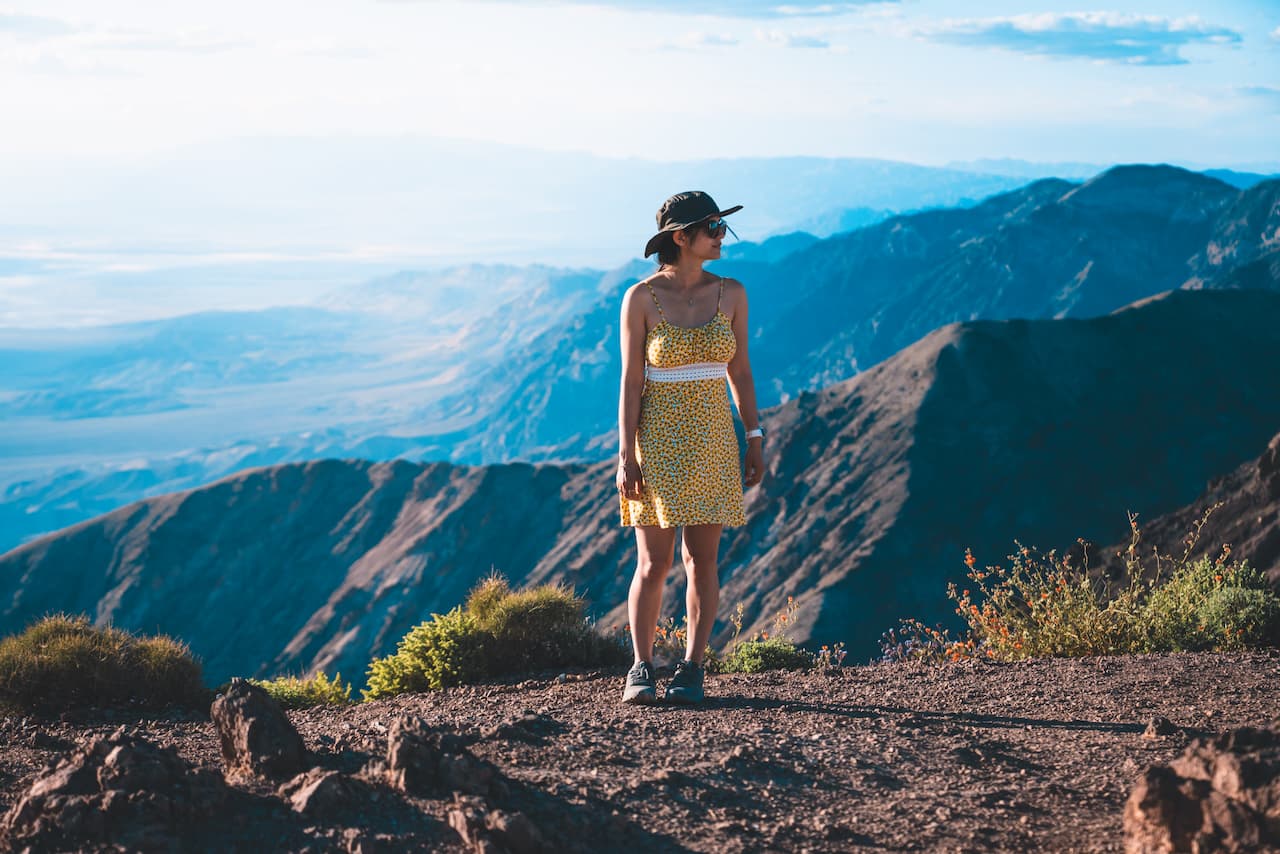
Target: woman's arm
[(632, 329), (743, 386)]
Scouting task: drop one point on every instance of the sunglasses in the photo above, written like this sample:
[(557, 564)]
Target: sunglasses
[(717, 228)]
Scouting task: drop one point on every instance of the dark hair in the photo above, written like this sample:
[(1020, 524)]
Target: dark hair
[(668, 251)]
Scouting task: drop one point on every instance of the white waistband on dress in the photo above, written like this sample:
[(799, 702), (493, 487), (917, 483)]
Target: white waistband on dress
[(686, 373)]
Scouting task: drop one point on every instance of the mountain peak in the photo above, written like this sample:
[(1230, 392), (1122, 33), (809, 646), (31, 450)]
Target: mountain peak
[(1153, 189)]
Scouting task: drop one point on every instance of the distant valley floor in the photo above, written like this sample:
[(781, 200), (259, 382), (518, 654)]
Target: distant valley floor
[(1039, 755)]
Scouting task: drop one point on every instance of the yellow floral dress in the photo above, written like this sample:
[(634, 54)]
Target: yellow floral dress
[(686, 446)]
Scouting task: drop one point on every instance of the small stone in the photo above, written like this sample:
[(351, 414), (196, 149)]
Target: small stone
[(515, 832), (320, 792), (1159, 727), (424, 760), (357, 841), (466, 817), (256, 736)]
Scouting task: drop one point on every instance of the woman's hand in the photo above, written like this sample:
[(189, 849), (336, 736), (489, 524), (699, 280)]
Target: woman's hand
[(753, 462), (630, 481)]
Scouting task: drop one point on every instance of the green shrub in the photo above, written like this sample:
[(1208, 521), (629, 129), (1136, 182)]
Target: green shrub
[(1037, 606), (485, 597), (447, 650), (1173, 617), (755, 656), (62, 662), (498, 632), (539, 628), (1235, 618), (1043, 605), (292, 692)]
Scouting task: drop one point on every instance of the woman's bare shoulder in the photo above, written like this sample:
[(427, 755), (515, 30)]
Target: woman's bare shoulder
[(735, 293), (634, 292), (637, 297)]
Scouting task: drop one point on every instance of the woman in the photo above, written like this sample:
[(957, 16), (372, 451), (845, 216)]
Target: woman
[(684, 331)]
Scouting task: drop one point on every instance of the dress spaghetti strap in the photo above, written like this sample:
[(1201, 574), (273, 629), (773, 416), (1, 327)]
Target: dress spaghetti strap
[(654, 294), (720, 295)]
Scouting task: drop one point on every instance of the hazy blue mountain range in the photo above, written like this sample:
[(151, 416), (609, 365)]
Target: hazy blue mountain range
[(1238, 178), (983, 431), (522, 382), (93, 419), (423, 198), (837, 306)]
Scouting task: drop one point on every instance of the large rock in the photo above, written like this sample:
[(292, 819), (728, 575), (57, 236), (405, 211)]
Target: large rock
[(486, 831), (1222, 794), (118, 791), (256, 736), (320, 792), (427, 761)]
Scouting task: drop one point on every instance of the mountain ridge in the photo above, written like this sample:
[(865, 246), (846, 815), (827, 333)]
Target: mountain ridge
[(874, 488)]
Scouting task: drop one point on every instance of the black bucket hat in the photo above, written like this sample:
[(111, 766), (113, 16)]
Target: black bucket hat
[(683, 210)]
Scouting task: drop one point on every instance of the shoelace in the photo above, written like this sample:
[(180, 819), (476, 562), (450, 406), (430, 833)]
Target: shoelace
[(641, 671)]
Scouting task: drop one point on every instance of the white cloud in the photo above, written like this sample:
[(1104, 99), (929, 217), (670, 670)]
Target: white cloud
[(1103, 36), (33, 26), (325, 46), (799, 40), (732, 9), (1268, 95), (700, 41), (179, 42)]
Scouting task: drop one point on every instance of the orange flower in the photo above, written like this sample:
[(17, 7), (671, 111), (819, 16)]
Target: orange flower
[(969, 559), (764, 635)]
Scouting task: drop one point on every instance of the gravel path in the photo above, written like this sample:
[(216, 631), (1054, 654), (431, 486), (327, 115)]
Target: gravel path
[(962, 757)]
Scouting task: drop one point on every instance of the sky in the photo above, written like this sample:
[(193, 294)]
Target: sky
[(166, 156), (925, 81)]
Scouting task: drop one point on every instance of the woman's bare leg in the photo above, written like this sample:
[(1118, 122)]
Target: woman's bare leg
[(655, 552), (701, 551)]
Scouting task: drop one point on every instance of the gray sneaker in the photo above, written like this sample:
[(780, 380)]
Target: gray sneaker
[(641, 688), (686, 684)]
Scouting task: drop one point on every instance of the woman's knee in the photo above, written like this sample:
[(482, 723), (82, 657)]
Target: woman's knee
[(699, 566), (652, 569)]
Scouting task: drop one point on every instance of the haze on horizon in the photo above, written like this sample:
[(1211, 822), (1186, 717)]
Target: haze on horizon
[(142, 136)]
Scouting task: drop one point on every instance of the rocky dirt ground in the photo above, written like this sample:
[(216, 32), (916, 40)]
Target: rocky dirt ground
[(963, 757)]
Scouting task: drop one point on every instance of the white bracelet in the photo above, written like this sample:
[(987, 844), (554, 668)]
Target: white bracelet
[(751, 434)]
